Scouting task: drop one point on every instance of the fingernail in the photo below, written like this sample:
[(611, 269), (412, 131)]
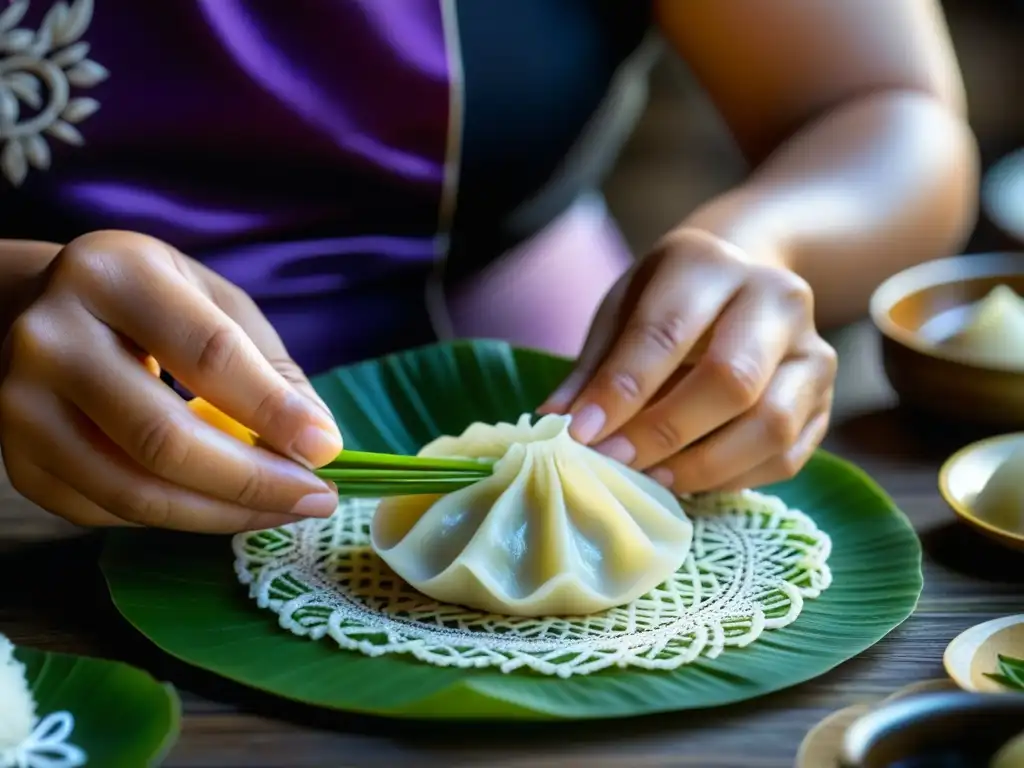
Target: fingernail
[(554, 403), (663, 476), (587, 423), (618, 448), (559, 400), (316, 505), (316, 446)]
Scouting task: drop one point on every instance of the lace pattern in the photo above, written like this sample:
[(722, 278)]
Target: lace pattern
[(753, 564), (27, 741), (47, 746)]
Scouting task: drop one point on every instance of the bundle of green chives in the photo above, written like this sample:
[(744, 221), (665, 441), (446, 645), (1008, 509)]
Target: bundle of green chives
[(358, 473)]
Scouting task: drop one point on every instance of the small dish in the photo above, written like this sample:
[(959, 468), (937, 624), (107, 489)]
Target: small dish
[(965, 473), (1002, 194), (917, 309), (953, 729), (976, 651), (822, 744), (1011, 755)]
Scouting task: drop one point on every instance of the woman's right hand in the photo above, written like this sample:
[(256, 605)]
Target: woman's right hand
[(90, 434)]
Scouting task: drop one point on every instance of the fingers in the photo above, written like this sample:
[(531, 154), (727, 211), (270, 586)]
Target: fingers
[(64, 444), (680, 293), (748, 343), (54, 495), (155, 428), (767, 431), (651, 347), (240, 306), (135, 286), (91, 434), (747, 406), (786, 465), (599, 338)]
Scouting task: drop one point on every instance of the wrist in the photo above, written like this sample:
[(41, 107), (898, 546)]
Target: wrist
[(739, 220)]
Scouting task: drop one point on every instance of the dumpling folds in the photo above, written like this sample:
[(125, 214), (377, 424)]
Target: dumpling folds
[(558, 529), (1001, 500), (994, 334)]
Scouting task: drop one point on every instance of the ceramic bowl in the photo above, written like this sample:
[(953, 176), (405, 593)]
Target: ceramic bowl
[(974, 654), (966, 472), (934, 729), (822, 744), (915, 310), (1002, 194)]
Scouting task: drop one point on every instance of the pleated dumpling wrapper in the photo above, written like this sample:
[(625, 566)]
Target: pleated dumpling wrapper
[(1001, 500), (557, 530), (17, 707), (994, 331)]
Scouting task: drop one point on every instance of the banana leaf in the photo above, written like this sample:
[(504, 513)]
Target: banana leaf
[(180, 590), (123, 718)]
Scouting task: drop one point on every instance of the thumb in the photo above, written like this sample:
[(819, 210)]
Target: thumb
[(243, 310), (294, 375), (602, 333)]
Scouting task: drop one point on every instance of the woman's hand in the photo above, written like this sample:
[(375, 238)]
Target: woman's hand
[(88, 433), (744, 409)]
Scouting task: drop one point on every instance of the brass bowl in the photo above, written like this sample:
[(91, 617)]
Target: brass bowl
[(918, 308), (966, 472)]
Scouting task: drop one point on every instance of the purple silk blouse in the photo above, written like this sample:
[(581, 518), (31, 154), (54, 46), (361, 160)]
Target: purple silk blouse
[(307, 150)]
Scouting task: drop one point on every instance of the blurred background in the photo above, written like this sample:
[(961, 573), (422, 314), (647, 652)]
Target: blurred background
[(681, 154)]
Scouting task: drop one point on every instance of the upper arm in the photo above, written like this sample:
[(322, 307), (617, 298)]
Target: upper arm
[(770, 66)]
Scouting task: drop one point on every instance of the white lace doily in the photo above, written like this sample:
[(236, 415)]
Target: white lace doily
[(47, 746), (27, 741), (753, 563)]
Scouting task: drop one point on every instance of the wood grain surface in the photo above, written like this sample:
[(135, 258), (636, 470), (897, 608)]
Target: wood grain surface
[(52, 597)]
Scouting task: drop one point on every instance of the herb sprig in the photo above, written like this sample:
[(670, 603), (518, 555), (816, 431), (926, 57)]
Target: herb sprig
[(1010, 674), (358, 473)]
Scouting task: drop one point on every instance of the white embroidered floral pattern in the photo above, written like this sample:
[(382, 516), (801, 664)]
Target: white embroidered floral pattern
[(25, 740), (38, 69), (47, 746), (753, 563)]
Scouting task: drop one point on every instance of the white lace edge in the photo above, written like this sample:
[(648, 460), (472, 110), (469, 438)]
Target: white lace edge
[(710, 641), (47, 746)]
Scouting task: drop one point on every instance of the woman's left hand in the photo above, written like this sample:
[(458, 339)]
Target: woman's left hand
[(746, 411)]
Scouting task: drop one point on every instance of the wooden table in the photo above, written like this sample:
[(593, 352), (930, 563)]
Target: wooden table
[(51, 597)]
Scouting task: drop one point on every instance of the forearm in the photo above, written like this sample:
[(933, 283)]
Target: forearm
[(882, 183), (22, 263)]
